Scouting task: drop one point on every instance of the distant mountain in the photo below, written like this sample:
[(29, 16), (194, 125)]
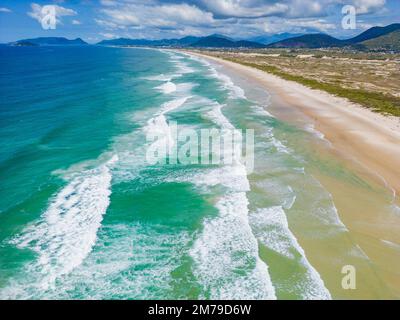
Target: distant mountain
[(184, 42), (265, 39), (387, 42), (218, 42), (248, 44), (49, 41), (311, 41), (187, 41), (217, 35), (374, 32), (321, 40), (23, 43), (213, 41), (376, 38)]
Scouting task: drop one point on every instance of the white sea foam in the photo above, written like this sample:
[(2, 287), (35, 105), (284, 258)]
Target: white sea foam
[(67, 231), (271, 141), (216, 115), (279, 145), (226, 244), (197, 59), (232, 177), (227, 83), (158, 125), (178, 60), (261, 111), (320, 205), (238, 92), (133, 156), (325, 209), (158, 122), (357, 251), (167, 88), (114, 269), (311, 129), (226, 254), (134, 261), (391, 244), (160, 77), (183, 68), (395, 209), (288, 204), (272, 229), (160, 128), (185, 87), (172, 105)]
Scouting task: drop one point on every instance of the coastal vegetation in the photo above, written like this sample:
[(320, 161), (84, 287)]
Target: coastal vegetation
[(374, 83)]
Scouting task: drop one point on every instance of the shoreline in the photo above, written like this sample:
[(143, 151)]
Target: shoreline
[(368, 139), (365, 143)]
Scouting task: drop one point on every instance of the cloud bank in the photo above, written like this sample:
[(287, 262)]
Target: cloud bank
[(240, 18)]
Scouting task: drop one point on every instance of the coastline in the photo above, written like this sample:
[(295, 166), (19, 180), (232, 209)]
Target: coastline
[(365, 143), (358, 134)]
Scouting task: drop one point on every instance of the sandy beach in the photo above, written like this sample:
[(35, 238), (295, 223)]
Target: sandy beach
[(361, 135), (365, 142)]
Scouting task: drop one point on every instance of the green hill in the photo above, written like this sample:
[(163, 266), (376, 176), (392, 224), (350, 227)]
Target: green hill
[(49, 41), (318, 40), (217, 41), (386, 42), (374, 33), (213, 41), (325, 41)]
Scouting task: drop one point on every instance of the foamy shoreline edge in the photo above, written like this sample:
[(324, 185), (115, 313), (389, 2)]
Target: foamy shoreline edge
[(370, 138)]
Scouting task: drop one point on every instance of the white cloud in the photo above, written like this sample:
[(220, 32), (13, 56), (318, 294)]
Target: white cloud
[(368, 6), (37, 14), (275, 25), (236, 18), (245, 8), (184, 13), (107, 24), (265, 8), (6, 10), (285, 8), (121, 17), (108, 35), (76, 22), (108, 2), (299, 25), (163, 16), (307, 8)]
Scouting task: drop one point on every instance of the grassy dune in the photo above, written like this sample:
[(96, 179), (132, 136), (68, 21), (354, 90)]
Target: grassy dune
[(370, 83), (378, 102)]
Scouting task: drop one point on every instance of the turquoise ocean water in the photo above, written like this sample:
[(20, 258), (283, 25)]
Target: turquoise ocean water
[(83, 216)]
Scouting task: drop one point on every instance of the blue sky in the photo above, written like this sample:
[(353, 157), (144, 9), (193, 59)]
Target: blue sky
[(94, 20)]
